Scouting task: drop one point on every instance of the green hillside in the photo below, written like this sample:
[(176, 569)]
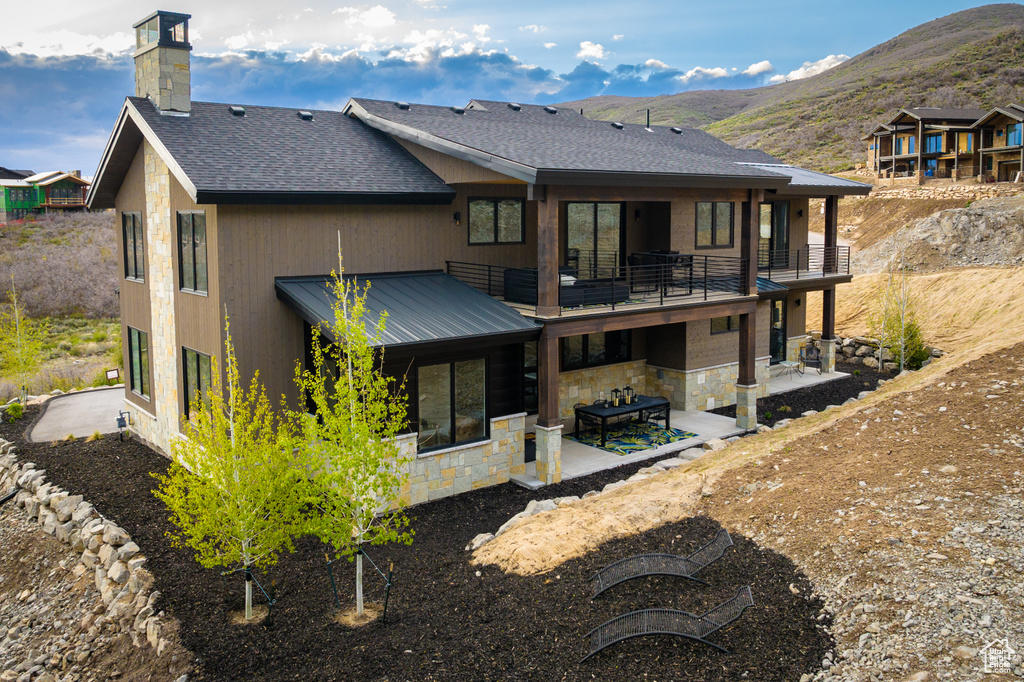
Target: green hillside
[(968, 59)]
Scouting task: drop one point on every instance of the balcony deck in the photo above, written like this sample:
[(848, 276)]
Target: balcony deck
[(600, 285), (810, 262)]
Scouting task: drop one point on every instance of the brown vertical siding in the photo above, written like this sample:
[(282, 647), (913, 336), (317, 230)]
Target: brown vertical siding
[(134, 296), (453, 170), (198, 320)]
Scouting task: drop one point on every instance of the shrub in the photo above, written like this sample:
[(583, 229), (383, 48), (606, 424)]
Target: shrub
[(96, 435), (15, 411), (856, 372)]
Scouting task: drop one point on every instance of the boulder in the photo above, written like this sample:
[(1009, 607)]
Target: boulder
[(715, 444), (115, 536), (870, 362), (479, 541), (119, 572)]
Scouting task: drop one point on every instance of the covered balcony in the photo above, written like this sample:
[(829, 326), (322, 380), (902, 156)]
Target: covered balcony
[(814, 261), (599, 281)]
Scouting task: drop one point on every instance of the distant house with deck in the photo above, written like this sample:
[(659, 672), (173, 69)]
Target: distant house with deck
[(41, 193)]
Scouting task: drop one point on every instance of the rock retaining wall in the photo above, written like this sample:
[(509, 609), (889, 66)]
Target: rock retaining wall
[(107, 553), (864, 350)]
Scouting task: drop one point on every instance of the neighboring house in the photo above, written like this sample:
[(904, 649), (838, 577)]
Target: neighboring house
[(10, 174), (1001, 152), (925, 142), (528, 259), (41, 193)]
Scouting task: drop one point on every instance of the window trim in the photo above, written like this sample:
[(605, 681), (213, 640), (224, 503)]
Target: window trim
[(495, 202), (451, 404), (181, 260), (136, 237), (565, 367), (729, 329), (185, 351), (714, 225), (142, 378)]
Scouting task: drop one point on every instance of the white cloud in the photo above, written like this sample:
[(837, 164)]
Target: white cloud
[(758, 68), (618, 36), (533, 28), (811, 68), (550, 45), (700, 73), (589, 50), (238, 42), (656, 64), (377, 16), (65, 42), (480, 31)]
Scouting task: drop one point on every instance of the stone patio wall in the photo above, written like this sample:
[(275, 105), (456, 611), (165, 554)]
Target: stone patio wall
[(705, 388), (586, 385)]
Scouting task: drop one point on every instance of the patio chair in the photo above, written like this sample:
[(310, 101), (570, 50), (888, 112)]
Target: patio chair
[(585, 422), (810, 356), (655, 414)]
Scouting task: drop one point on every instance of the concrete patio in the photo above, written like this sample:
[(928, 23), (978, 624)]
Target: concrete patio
[(581, 460)]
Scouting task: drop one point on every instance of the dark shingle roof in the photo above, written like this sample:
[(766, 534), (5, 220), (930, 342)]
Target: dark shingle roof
[(273, 155), (14, 174), (422, 307), (941, 114), (537, 146), (813, 183)]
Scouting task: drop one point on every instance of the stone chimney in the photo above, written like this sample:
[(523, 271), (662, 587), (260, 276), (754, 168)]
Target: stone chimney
[(162, 68)]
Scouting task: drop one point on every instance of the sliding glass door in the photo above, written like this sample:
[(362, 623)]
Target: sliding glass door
[(594, 238)]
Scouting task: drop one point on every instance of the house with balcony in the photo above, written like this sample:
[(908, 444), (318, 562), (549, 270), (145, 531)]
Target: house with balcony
[(923, 143), (1001, 152), (529, 259), (41, 193)]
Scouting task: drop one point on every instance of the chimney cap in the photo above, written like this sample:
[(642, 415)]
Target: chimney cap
[(174, 17), (162, 29)]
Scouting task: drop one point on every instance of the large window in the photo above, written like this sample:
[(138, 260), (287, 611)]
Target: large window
[(714, 224), (134, 258), (138, 361), (497, 221), (197, 378), (720, 325), (933, 143), (591, 350), (594, 238), (452, 403), (192, 252), (1013, 134)]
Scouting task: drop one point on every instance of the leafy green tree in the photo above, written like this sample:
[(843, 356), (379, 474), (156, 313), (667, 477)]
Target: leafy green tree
[(352, 440), (894, 321), (21, 342), (235, 488)]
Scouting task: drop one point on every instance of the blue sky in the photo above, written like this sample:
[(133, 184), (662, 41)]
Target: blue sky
[(64, 71)]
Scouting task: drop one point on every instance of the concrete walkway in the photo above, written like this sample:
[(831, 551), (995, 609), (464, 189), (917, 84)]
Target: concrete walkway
[(79, 414)]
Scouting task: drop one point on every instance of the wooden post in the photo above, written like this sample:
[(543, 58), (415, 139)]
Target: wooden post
[(831, 259), (547, 255), (749, 237), (747, 375), (828, 314), (547, 381)]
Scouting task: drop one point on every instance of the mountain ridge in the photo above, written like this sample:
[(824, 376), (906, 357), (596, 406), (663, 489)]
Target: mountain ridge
[(966, 59)]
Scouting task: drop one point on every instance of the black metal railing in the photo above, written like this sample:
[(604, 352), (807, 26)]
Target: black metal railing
[(809, 261), (662, 279)]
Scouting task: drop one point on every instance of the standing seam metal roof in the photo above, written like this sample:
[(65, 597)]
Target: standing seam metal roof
[(422, 307)]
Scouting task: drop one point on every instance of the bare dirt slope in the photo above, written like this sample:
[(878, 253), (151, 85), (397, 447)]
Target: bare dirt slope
[(904, 509)]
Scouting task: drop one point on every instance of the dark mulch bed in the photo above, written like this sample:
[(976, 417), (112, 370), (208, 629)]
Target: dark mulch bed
[(444, 621), (791, 405)]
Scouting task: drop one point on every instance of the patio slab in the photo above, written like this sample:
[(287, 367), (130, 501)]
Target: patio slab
[(581, 460), (792, 381)]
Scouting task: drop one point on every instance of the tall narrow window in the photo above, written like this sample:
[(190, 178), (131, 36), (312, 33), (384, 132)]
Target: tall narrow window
[(595, 238), (192, 252), (197, 378), (138, 361), (714, 224), (452, 403), (1013, 134), (134, 259), (497, 221)]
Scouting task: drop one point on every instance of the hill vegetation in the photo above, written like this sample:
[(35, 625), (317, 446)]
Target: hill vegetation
[(967, 59)]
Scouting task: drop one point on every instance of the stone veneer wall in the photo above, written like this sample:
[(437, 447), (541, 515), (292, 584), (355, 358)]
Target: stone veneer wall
[(793, 347), (586, 385), (164, 75), (127, 602), (459, 469), (159, 427), (705, 388)]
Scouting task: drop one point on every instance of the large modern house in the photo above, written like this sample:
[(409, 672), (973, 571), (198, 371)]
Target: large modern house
[(923, 143), (38, 193), (529, 259)]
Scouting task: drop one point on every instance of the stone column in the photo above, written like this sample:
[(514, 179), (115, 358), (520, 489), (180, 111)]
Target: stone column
[(828, 355), (746, 406), (161, 280), (549, 454)]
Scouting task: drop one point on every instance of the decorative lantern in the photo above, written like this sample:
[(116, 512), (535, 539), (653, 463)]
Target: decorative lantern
[(628, 395), (616, 393)]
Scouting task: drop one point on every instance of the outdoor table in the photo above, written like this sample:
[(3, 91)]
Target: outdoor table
[(640, 404), (788, 368)]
